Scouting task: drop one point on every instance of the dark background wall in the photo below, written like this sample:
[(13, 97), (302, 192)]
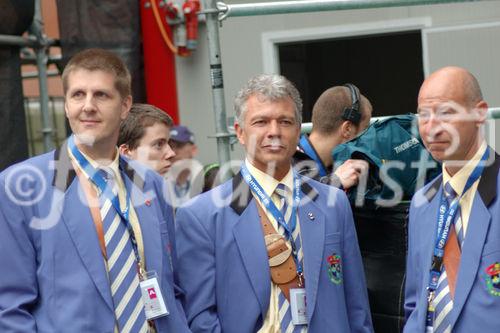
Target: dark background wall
[(387, 68), (15, 18), (109, 24)]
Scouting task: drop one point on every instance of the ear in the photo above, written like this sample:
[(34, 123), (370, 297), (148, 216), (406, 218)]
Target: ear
[(347, 130), (482, 112), (66, 109), (239, 133), (123, 149), (194, 150), (126, 105)]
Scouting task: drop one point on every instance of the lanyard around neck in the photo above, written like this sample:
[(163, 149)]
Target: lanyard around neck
[(105, 190), (446, 215), (309, 151), (269, 204)]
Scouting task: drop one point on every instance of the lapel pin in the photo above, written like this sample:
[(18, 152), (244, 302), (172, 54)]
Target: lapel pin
[(148, 202), (311, 216)]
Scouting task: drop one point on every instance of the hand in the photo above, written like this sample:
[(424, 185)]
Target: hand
[(350, 171)]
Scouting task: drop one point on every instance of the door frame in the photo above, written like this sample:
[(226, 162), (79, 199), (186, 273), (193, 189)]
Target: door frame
[(272, 39)]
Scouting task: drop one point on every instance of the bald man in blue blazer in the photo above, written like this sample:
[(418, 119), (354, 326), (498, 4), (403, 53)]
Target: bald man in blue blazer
[(224, 267), (467, 299)]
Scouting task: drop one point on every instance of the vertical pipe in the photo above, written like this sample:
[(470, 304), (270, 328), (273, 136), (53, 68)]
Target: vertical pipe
[(222, 134), (31, 142), (41, 62)]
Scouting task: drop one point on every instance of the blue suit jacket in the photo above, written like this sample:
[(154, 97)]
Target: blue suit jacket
[(53, 274), (476, 308), (224, 270)]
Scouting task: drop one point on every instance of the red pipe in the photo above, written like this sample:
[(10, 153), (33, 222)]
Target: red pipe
[(159, 64)]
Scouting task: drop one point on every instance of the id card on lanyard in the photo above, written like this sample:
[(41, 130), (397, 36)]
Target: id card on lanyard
[(445, 217), (151, 293), (297, 295)]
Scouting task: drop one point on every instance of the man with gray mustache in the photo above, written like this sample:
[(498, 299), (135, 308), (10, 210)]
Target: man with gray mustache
[(271, 250)]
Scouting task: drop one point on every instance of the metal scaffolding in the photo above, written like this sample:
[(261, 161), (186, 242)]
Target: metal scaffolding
[(217, 11), (493, 113)]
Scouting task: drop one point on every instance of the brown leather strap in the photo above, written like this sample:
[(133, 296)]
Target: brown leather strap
[(283, 275), (93, 202), (451, 259)]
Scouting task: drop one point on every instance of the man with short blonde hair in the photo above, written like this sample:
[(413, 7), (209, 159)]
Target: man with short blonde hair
[(87, 236)]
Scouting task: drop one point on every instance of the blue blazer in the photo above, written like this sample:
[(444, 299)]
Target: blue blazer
[(53, 274), (224, 270), (476, 305)]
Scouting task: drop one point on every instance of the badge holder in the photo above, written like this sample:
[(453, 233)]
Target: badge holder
[(298, 306), (429, 320), (154, 304)]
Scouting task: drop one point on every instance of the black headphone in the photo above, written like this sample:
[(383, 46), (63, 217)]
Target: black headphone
[(352, 113)]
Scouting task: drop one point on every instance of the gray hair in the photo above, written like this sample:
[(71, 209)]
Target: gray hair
[(271, 87), (472, 90)]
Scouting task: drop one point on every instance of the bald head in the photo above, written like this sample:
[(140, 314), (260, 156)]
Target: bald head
[(452, 84), (451, 113)]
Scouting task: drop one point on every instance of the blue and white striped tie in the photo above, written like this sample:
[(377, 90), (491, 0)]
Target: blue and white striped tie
[(122, 266), (285, 314), (443, 302)]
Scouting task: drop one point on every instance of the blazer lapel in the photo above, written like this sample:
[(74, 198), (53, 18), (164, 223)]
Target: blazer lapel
[(249, 238), (479, 222), (250, 241), (428, 224), (78, 220), (312, 233), (80, 225)]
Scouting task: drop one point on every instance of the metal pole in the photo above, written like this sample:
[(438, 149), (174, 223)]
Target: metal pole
[(17, 40), (41, 62), (288, 7), (35, 75), (493, 113), (31, 59), (222, 133), (214, 10)]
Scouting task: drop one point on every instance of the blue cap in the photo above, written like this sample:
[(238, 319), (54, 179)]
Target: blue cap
[(181, 134)]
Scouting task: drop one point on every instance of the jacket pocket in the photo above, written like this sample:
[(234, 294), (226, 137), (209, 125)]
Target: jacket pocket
[(332, 238)]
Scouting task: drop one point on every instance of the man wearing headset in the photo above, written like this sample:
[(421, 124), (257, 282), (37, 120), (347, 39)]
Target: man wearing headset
[(339, 115)]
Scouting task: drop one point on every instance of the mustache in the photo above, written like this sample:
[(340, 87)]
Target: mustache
[(274, 143)]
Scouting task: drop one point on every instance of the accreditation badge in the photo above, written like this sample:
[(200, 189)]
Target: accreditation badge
[(492, 279), (335, 268), (298, 306), (154, 304)]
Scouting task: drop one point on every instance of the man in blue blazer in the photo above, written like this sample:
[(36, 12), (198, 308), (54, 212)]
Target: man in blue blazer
[(76, 242), (453, 270), (238, 242)]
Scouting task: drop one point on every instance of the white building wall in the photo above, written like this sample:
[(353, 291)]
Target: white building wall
[(242, 53)]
